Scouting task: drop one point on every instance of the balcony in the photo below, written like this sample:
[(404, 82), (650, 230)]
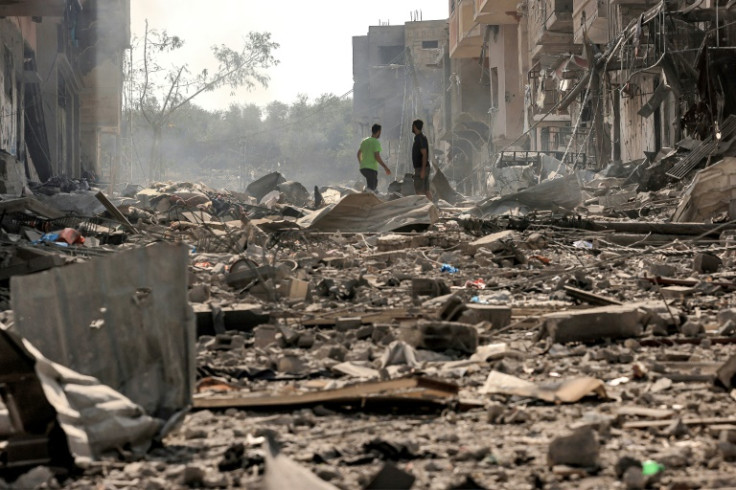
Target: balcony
[(496, 12), (466, 35), (590, 16), (32, 8), (550, 28)]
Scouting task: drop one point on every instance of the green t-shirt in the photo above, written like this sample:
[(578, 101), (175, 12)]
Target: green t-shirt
[(368, 149)]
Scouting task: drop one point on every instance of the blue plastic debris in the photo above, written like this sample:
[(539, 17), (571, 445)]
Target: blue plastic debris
[(449, 268)]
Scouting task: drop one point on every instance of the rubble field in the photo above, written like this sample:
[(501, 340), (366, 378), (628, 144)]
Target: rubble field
[(346, 340)]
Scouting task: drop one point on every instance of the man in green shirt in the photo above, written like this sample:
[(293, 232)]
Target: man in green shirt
[(369, 156)]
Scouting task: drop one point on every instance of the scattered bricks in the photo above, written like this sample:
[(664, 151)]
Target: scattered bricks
[(498, 316), (495, 242), (705, 263), (348, 323), (264, 336), (441, 336), (594, 324), (421, 286), (577, 449), (726, 374)]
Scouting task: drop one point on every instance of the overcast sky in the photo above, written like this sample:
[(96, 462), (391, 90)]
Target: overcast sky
[(315, 37)]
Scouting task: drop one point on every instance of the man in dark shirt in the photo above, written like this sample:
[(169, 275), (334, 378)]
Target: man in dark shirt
[(420, 159)]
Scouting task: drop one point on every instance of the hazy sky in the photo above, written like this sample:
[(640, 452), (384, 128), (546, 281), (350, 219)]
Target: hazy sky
[(315, 37)]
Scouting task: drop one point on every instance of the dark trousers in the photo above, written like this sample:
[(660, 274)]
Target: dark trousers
[(421, 185), (371, 178)]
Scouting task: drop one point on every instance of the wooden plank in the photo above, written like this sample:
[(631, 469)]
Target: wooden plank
[(115, 212), (652, 413), (646, 424), (386, 316), (396, 388), (589, 297)]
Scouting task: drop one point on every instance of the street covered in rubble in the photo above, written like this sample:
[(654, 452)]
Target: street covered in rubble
[(557, 312)]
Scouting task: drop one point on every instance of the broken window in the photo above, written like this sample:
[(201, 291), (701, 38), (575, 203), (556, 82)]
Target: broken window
[(8, 73), (430, 44), (494, 87), (389, 55)]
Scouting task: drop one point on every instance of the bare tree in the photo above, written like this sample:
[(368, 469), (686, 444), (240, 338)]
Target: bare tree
[(161, 91)]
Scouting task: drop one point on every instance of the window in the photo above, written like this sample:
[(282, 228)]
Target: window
[(452, 6), (430, 44), (8, 72), (494, 87), (390, 55)]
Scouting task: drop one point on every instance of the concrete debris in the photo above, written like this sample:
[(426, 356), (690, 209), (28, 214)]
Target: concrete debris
[(594, 324), (442, 336), (569, 391), (580, 448), (338, 329)]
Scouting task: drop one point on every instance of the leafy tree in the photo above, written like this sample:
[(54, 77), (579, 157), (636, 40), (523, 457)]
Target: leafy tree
[(161, 92)]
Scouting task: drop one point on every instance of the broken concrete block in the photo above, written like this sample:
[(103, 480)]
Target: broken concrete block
[(199, 293), (706, 263), (306, 340), (577, 449), (348, 323), (498, 316), (452, 308), (726, 374), (441, 336), (662, 270), (692, 329), (594, 324), (389, 477), (677, 292), (495, 242), (726, 315), (290, 364), (422, 286), (264, 335), (295, 289)]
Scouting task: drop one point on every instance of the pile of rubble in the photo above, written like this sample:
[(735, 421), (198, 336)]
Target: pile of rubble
[(180, 336)]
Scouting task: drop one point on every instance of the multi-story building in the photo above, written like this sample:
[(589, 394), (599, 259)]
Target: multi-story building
[(398, 73), (62, 83), (587, 81)]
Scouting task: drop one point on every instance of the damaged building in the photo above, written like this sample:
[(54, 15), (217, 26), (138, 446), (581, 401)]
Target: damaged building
[(589, 83), (62, 77)]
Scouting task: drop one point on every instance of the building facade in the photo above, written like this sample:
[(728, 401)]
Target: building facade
[(398, 76), (62, 81), (588, 81)]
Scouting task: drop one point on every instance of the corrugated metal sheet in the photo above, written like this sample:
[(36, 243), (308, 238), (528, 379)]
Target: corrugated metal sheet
[(365, 213), (123, 319)]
